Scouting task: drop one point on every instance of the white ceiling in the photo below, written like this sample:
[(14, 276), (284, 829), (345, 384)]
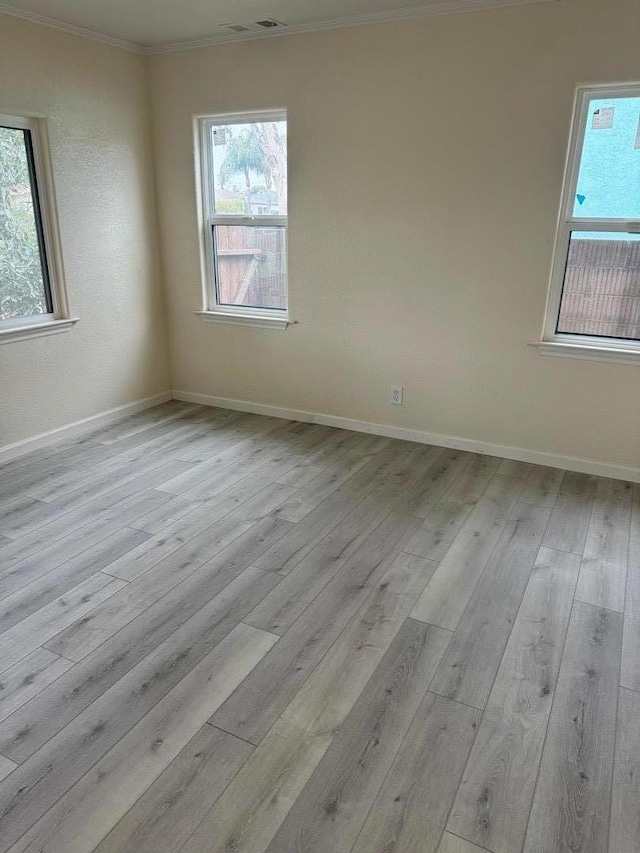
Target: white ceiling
[(161, 24)]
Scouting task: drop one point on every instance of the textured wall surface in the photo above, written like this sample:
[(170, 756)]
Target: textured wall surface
[(426, 160), (96, 99)]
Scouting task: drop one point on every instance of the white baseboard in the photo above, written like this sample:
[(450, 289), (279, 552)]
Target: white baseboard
[(11, 451), (519, 454)]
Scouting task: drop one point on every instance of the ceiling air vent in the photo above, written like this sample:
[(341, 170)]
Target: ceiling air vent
[(254, 26), (237, 28)]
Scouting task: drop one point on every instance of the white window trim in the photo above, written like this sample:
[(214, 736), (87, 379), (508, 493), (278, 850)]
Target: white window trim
[(211, 310), (591, 348), (60, 319)]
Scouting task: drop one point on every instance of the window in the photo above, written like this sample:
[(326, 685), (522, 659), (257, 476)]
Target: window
[(243, 168), (594, 298), (31, 296)]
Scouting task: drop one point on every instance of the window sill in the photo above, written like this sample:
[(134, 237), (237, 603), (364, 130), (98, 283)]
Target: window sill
[(245, 319), (11, 334), (588, 352)]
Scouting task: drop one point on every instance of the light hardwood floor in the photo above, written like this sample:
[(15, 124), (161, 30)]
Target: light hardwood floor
[(227, 633)]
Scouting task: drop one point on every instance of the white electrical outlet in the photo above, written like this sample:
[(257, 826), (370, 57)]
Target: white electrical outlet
[(397, 392)]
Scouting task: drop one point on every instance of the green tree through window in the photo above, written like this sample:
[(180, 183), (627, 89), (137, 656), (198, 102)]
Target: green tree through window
[(22, 286)]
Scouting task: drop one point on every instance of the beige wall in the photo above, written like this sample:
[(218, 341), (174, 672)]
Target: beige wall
[(96, 98), (426, 161)]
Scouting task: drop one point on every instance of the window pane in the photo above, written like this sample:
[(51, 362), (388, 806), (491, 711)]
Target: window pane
[(609, 176), (250, 168), (601, 293), (251, 264), (23, 290)]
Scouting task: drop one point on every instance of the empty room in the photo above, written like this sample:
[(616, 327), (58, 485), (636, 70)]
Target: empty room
[(320, 426)]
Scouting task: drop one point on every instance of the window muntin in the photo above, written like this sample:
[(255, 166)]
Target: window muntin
[(244, 200), (594, 297), (25, 290)]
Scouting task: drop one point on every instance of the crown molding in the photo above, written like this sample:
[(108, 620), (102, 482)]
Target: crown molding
[(34, 18), (440, 9)]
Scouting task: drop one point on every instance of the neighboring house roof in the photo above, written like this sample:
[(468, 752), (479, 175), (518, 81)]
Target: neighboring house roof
[(222, 194)]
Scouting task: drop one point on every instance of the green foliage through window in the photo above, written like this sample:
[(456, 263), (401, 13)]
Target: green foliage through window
[(22, 287)]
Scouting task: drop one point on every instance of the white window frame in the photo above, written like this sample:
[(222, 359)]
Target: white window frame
[(553, 342), (59, 319), (212, 310)]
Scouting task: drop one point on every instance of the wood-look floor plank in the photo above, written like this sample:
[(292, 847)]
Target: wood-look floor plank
[(21, 513), (171, 434), (129, 473), (55, 488), (630, 672), (259, 700), (16, 481), (512, 468), (29, 677), (493, 803), (93, 516), (336, 444), (450, 513), (227, 593), (253, 807), (280, 610), (77, 449), (86, 634), (411, 809), (624, 832), (171, 511), (451, 588), (542, 486), (170, 809), (75, 749), (88, 810), (469, 666), (372, 444), (50, 512), (329, 694), (22, 572), (237, 434), (306, 499), (254, 449), (29, 598), (571, 804), (604, 566), (372, 478), (271, 458), (334, 804), (15, 489), (576, 483), (452, 844), (201, 529), (569, 523), (13, 575), (25, 637), (74, 453), (6, 767), (630, 667), (141, 421), (632, 602), (421, 498)]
